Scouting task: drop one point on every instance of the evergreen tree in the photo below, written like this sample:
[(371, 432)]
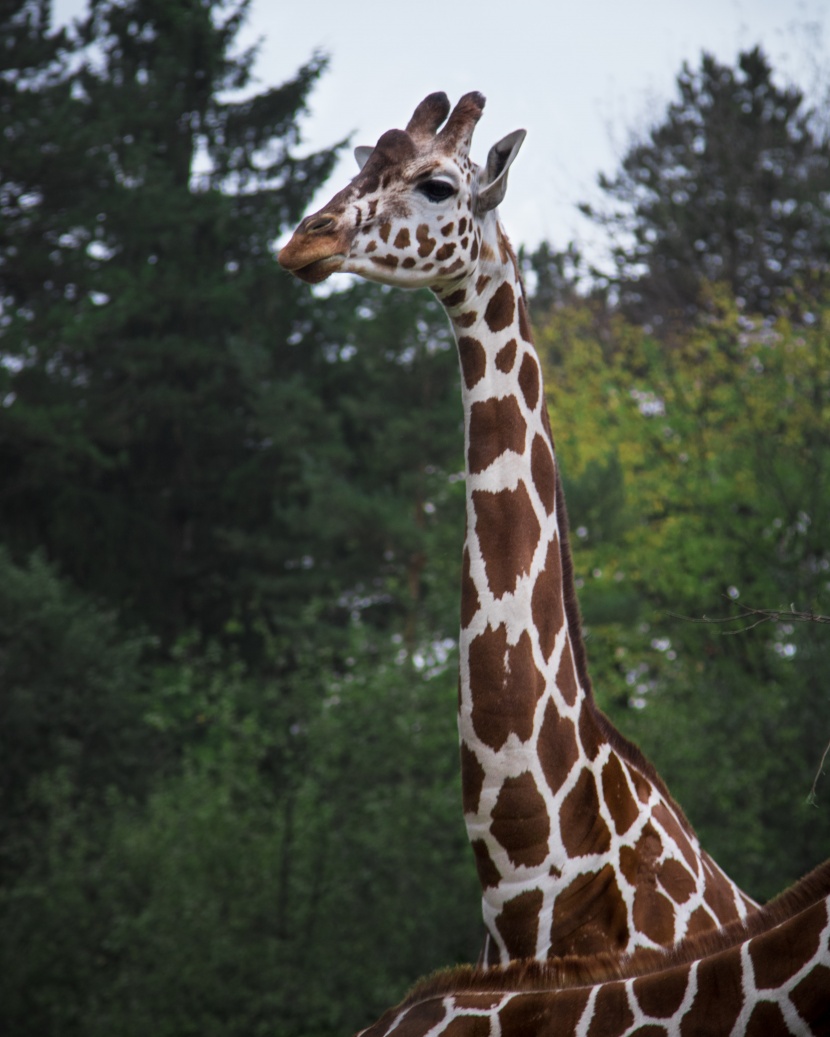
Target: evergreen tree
[(145, 208), (731, 186)]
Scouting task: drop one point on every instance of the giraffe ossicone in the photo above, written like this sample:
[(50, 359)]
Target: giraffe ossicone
[(579, 847), (764, 978)]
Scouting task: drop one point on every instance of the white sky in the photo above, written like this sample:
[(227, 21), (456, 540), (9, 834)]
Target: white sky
[(580, 77)]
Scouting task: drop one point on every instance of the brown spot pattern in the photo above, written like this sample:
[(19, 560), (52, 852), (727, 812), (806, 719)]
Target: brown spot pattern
[(676, 880), (472, 779), (482, 282), (506, 357), (506, 686), (530, 1014), (670, 825), (455, 298), (611, 1004), (496, 425), (446, 231), (662, 999), (421, 1018), (639, 864), (518, 923), (766, 1019), (546, 601), (566, 675), (617, 795), (718, 996), (589, 734), (390, 262), (466, 320), (425, 243), (543, 472), (445, 251), (408, 263), (385, 230), (508, 532), (473, 360), (529, 381), (466, 1026), (402, 239), (451, 269), (583, 830), (640, 784), (810, 995), (719, 897), (557, 747), (520, 821), (488, 874), (589, 915), (773, 970), (500, 308), (654, 915), (470, 602), (524, 323), (699, 922)]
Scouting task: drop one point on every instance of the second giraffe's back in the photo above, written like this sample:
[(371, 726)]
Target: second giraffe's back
[(767, 978)]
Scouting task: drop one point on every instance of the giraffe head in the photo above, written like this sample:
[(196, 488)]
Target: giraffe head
[(415, 216)]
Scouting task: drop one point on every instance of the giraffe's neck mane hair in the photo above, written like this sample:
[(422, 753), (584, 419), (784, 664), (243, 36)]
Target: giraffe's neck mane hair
[(557, 974)]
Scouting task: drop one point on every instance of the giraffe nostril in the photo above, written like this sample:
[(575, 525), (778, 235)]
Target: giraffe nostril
[(319, 223)]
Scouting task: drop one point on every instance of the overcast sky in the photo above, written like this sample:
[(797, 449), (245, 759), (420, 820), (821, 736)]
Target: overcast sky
[(580, 77)]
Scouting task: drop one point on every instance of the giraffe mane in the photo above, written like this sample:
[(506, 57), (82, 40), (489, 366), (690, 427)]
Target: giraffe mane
[(618, 742), (528, 975)]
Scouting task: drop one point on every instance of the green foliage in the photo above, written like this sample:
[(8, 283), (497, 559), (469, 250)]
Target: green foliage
[(697, 476), (208, 828), (129, 435), (244, 899), (247, 819), (74, 694)]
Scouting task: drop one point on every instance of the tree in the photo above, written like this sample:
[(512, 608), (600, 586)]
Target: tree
[(697, 476), (732, 185), (144, 203)]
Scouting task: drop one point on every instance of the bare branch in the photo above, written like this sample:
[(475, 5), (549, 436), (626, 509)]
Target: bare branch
[(779, 615), (812, 798)]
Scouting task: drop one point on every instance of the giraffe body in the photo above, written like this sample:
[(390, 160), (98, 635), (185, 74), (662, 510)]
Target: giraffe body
[(579, 847), (765, 979)]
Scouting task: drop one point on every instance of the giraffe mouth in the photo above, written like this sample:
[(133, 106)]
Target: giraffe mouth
[(319, 269)]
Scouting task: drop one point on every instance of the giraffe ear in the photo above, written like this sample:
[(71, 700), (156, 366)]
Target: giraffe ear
[(361, 155), (493, 184)]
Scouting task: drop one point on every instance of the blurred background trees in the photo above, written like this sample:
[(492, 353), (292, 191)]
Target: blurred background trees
[(730, 187), (232, 514)]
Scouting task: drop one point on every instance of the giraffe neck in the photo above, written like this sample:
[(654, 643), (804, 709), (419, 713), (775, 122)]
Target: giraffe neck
[(769, 976), (565, 818)]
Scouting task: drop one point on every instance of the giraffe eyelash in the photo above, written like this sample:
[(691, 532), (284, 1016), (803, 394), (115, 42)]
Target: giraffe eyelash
[(436, 190)]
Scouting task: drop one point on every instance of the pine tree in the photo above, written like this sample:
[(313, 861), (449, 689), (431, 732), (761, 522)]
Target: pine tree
[(137, 280), (731, 186)]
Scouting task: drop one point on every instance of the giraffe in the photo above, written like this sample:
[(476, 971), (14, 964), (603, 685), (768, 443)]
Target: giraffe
[(578, 845), (764, 978)]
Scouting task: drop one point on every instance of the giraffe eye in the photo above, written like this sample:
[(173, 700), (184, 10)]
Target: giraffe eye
[(436, 190)]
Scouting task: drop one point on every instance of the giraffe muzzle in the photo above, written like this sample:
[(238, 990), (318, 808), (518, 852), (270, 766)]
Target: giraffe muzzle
[(316, 249)]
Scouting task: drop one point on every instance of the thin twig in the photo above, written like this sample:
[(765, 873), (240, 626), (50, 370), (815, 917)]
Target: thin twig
[(791, 614), (812, 799), (763, 616)]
